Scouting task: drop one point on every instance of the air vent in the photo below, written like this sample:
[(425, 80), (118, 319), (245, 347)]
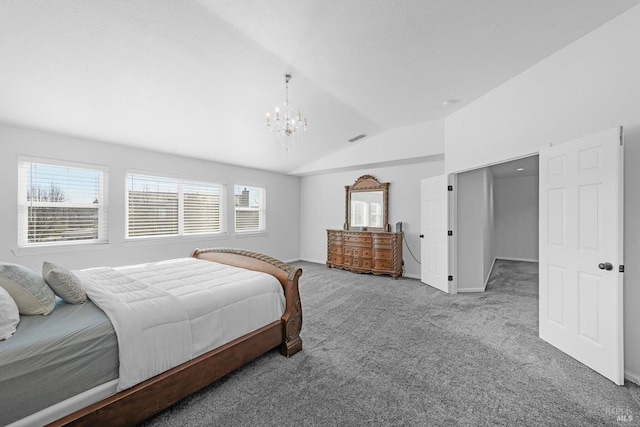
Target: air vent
[(355, 138)]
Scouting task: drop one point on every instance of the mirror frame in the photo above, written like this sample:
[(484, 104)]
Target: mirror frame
[(364, 184)]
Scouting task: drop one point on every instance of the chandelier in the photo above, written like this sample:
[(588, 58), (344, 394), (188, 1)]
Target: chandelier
[(287, 126)]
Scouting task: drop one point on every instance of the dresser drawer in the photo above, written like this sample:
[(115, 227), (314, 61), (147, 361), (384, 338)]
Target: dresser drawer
[(383, 254), (385, 245), (334, 258), (335, 249), (333, 236), (347, 260), (353, 251), (356, 238), (382, 264), (365, 262), (361, 252), (382, 240)]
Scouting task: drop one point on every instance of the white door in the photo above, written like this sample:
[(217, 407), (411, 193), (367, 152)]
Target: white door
[(581, 251), (433, 245)]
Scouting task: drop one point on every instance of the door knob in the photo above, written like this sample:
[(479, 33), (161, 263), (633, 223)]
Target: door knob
[(605, 266)]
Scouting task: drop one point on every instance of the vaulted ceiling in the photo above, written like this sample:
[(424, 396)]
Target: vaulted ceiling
[(196, 78)]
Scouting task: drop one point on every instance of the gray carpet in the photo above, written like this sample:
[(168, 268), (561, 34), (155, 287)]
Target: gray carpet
[(385, 352)]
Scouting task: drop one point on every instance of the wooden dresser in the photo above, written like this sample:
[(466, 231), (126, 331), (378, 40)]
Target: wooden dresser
[(377, 252)]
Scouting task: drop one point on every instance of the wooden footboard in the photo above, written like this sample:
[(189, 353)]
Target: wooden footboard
[(285, 273), (134, 405)]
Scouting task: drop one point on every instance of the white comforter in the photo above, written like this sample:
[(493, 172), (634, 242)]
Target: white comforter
[(168, 312)]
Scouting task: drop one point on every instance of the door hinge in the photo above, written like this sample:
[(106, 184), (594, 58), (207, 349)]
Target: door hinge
[(450, 233), (450, 188), (621, 269), (450, 279), (621, 137)]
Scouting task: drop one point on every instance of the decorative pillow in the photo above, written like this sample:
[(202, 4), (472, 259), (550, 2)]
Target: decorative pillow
[(9, 315), (30, 292), (64, 283)]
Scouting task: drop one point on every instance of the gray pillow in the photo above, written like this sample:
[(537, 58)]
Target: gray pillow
[(64, 283), (30, 292), (9, 315)]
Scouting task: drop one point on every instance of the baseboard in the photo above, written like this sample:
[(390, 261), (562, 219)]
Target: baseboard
[(486, 280), (312, 260), (289, 261), (506, 258), (412, 276), (470, 290), (633, 377)]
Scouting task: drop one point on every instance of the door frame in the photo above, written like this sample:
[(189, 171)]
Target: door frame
[(452, 180), (453, 215), (453, 225)]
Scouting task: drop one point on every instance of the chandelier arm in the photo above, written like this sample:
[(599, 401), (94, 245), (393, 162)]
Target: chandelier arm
[(290, 127)]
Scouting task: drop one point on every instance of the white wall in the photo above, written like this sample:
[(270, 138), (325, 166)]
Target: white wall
[(589, 86), (283, 220), (322, 205), (516, 217), (474, 228)]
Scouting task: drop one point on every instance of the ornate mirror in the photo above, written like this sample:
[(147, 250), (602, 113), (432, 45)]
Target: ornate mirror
[(367, 205)]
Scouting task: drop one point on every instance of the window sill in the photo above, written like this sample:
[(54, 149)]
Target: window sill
[(250, 233), (46, 250), (147, 241)]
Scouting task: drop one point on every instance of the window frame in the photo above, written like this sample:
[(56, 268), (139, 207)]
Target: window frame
[(262, 211), (23, 243), (180, 181)]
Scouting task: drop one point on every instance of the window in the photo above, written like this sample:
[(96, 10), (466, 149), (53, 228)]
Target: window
[(202, 210), (358, 213), (61, 203), (375, 217), (366, 214), (159, 206), (250, 208)]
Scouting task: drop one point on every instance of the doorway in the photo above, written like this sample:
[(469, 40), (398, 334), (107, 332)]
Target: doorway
[(580, 243), (497, 218)]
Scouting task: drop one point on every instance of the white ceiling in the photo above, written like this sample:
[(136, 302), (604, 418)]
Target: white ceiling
[(196, 77), (528, 167)]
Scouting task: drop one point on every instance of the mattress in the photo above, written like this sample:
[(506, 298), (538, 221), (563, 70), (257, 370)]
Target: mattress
[(75, 348), (223, 302), (52, 358)]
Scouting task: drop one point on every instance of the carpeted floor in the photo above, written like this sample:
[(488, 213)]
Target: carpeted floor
[(385, 352)]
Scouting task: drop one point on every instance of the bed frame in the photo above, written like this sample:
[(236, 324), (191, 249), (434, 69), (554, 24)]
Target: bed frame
[(134, 405)]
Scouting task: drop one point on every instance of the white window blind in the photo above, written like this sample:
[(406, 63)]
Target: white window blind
[(152, 206), (366, 214), (159, 206), (61, 203), (250, 208), (202, 208), (359, 213), (375, 214)]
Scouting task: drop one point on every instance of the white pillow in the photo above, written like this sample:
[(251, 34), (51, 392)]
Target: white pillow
[(30, 292), (9, 315), (64, 283)]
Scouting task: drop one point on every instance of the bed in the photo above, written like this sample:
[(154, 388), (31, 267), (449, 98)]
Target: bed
[(95, 386)]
